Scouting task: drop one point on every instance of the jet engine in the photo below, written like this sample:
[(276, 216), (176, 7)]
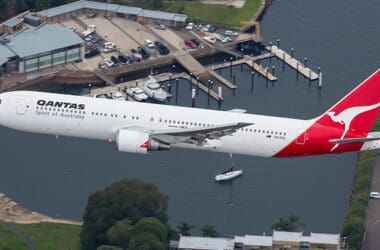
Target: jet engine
[(132, 141)]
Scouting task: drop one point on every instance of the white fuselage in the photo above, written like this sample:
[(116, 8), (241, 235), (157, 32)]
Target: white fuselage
[(96, 118)]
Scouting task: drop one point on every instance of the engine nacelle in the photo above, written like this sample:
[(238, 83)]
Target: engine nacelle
[(132, 141)]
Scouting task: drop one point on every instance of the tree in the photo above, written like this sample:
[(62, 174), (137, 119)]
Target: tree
[(289, 223), (184, 228), (153, 226), (209, 231), (145, 241), (120, 233), (131, 199)]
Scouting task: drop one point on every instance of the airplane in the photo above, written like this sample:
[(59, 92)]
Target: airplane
[(142, 127)]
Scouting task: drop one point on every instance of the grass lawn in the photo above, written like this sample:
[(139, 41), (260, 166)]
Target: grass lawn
[(217, 14), (47, 236), (10, 240)]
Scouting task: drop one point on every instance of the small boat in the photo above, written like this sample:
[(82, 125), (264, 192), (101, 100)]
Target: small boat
[(118, 96), (228, 174), (153, 89), (137, 93)]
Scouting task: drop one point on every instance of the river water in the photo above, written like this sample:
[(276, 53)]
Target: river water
[(55, 177)]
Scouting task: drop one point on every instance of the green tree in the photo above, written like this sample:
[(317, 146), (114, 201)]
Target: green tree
[(184, 228), (353, 229), (145, 241), (153, 226), (209, 231), (289, 223), (131, 199), (120, 233)]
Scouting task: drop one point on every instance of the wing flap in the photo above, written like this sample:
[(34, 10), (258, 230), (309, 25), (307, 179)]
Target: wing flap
[(197, 135)]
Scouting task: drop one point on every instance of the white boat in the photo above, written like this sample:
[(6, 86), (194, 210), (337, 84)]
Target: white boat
[(118, 96), (153, 89), (228, 175), (137, 93)]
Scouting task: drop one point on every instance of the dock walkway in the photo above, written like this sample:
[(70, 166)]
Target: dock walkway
[(292, 62)]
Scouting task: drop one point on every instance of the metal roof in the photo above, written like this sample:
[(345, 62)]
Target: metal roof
[(81, 4), (193, 242), (163, 15), (12, 22), (43, 39), (319, 238), (254, 240), (63, 9), (128, 10), (5, 53), (287, 236), (100, 6)]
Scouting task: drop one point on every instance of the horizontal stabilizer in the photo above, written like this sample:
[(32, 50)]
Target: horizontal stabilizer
[(353, 140)]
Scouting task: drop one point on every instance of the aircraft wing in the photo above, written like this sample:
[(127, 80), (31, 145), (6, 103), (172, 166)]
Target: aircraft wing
[(354, 140), (196, 135)]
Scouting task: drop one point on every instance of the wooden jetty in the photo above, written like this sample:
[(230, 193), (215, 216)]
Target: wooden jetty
[(294, 63), (261, 70)]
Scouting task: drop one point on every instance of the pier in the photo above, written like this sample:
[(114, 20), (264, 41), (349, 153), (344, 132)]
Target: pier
[(292, 62), (172, 78)]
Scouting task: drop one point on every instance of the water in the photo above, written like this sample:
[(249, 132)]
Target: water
[(55, 177)]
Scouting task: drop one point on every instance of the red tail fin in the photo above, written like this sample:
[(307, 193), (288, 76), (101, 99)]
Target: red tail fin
[(352, 117)]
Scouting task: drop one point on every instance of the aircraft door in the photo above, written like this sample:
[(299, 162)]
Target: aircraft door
[(301, 136), (21, 107)]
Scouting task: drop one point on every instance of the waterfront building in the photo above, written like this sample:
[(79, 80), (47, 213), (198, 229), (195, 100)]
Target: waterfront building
[(34, 49), (278, 241), (82, 7)]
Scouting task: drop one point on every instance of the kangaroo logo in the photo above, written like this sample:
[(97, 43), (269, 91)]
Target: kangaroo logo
[(345, 118)]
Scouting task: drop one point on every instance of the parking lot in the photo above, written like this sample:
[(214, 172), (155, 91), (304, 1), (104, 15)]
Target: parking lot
[(128, 35)]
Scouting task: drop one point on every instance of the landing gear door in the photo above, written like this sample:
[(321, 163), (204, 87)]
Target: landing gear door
[(21, 106), (301, 136)]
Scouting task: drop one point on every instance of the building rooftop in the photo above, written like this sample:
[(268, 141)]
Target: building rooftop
[(128, 10), (163, 15), (287, 236), (193, 242), (12, 22), (5, 53), (319, 238), (43, 39), (59, 10), (254, 240)]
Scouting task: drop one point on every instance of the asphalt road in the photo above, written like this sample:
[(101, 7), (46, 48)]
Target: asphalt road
[(372, 235)]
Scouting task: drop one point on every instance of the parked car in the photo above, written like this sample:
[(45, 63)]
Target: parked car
[(144, 54), (102, 65), (72, 28), (161, 48), (91, 14), (149, 43), (189, 26), (374, 195), (190, 44), (122, 59), (211, 29), (89, 38), (95, 39), (136, 57), (209, 39), (93, 52), (108, 47), (160, 26), (196, 41), (114, 60), (108, 63), (230, 33)]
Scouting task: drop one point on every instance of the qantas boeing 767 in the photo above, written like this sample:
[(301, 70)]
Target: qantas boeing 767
[(141, 127)]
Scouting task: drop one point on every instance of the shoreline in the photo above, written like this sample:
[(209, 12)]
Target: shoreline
[(12, 212)]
